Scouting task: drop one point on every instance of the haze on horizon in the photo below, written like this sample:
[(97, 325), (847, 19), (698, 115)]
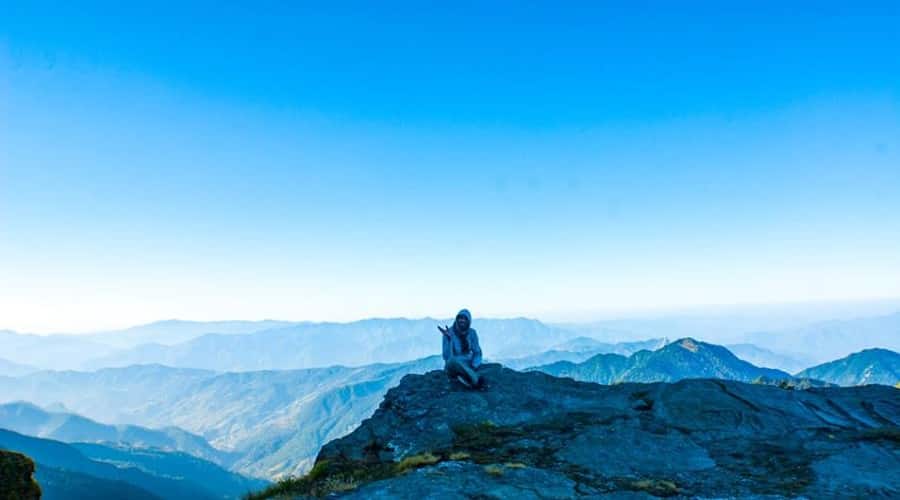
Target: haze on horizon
[(343, 162)]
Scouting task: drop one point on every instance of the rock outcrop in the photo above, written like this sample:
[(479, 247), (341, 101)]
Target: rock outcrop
[(16, 481), (532, 435)]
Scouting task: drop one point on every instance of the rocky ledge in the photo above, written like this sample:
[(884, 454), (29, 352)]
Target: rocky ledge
[(16, 480), (531, 435)]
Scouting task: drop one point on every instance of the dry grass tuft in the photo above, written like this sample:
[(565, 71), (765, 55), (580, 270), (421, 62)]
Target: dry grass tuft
[(416, 461), (494, 470), (657, 487)]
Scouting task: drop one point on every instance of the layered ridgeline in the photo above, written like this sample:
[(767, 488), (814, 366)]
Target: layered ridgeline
[(685, 358), (827, 340), (266, 345), (760, 356), (580, 349), (269, 423), (11, 369), (93, 471), (31, 420), (532, 435), (272, 423), (350, 344), (871, 366), (75, 351), (261, 345)]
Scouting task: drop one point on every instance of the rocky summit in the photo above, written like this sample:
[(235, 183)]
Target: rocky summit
[(532, 435)]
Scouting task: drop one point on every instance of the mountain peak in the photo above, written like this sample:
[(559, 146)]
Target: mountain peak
[(870, 366), (534, 435), (689, 344)]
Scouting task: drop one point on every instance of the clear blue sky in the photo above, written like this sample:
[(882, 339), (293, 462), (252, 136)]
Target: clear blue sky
[(363, 159)]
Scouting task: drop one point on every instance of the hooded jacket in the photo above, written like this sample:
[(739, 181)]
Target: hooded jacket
[(454, 345)]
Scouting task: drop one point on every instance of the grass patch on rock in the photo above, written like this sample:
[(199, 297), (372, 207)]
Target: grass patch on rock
[(416, 461), (494, 469), (656, 487)]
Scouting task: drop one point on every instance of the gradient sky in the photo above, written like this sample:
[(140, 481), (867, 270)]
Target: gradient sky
[(378, 159)]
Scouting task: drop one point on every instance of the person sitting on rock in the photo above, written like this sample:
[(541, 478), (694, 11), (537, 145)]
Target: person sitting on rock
[(462, 354)]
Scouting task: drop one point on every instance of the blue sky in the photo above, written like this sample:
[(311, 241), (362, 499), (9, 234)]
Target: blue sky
[(382, 159)]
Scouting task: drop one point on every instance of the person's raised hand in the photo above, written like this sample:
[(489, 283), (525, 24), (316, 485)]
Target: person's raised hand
[(444, 329)]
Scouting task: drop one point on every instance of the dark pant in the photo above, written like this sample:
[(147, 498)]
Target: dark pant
[(459, 366)]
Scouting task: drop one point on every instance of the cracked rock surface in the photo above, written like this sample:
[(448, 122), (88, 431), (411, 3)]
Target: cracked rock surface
[(531, 435)]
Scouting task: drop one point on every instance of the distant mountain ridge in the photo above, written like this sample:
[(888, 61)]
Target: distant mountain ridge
[(12, 369), (870, 366), (312, 345), (73, 351), (31, 420), (580, 349), (828, 340), (254, 415), (684, 358), (761, 356), (63, 469), (174, 331)]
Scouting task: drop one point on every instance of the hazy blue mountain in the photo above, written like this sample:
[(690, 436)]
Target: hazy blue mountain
[(24, 352), (764, 357), (731, 324), (351, 344), (829, 340), (210, 477), (578, 344), (871, 366), (547, 357), (59, 352), (601, 368), (64, 459), (31, 420), (12, 369), (174, 331), (580, 349), (65, 484), (274, 421), (685, 358), (109, 395)]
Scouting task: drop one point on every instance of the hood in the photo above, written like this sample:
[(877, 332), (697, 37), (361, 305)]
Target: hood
[(467, 314)]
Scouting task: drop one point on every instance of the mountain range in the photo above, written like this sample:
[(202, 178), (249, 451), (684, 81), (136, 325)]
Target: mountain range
[(66, 471), (270, 344), (271, 422), (265, 345), (12, 369), (870, 366), (827, 340), (761, 356), (685, 358), (350, 344), (580, 349), (26, 418)]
